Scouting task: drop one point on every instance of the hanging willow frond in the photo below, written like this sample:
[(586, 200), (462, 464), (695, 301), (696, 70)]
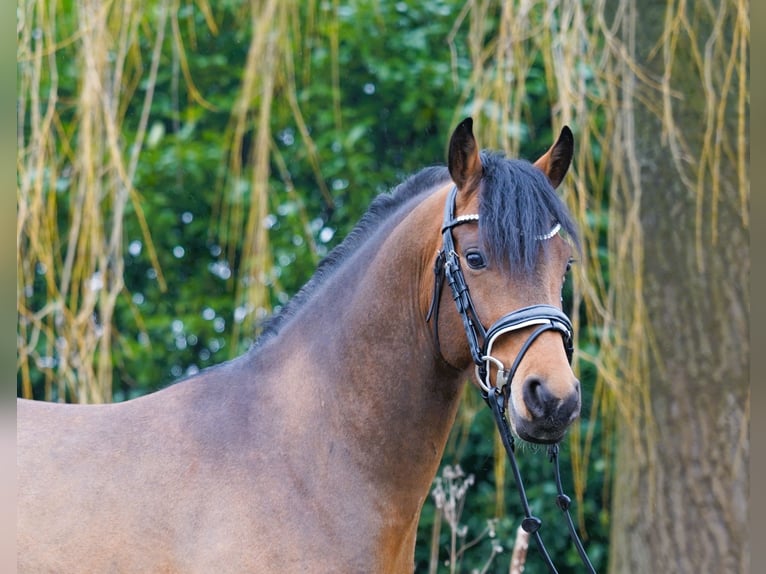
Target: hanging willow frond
[(269, 69), (82, 273)]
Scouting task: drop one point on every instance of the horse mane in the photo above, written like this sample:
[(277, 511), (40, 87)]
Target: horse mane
[(517, 202), (381, 208)]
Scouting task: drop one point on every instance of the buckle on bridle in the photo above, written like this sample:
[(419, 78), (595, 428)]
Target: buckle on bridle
[(482, 375)]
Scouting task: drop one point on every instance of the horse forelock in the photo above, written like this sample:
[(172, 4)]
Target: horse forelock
[(517, 206), (381, 209)]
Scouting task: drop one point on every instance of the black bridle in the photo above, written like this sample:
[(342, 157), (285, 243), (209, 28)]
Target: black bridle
[(480, 341)]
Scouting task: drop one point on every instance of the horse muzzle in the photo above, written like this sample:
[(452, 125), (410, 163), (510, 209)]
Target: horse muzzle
[(537, 412), (549, 414)]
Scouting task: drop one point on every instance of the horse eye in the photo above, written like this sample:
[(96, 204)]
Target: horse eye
[(569, 265), (475, 260)]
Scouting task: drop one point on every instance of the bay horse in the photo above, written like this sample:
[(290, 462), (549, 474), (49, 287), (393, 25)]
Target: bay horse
[(315, 450)]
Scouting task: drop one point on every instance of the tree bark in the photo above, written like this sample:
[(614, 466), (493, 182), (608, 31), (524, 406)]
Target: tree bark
[(681, 480)]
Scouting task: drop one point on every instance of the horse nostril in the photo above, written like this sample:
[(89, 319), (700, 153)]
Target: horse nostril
[(570, 407), (538, 399)]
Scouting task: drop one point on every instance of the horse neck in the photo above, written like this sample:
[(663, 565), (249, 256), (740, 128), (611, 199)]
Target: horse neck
[(370, 374)]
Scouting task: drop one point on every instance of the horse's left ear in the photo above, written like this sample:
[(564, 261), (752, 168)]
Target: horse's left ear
[(463, 159), (555, 162)]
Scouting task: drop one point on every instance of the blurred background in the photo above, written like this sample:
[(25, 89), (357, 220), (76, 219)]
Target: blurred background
[(182, 167)]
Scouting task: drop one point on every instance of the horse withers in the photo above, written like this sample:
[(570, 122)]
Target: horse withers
[(315, 450)]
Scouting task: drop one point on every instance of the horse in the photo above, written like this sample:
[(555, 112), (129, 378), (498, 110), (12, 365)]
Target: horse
[(315, 450)]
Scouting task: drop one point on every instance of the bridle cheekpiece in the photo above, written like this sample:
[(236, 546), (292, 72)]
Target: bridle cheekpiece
[(481, 340)]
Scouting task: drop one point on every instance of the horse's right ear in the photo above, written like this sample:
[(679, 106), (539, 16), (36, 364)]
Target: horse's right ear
[(555, 162), (463, 160)]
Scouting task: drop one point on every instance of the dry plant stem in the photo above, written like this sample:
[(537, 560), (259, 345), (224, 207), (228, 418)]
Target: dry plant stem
[(433, 561), (519, 555), (82, 266), (269, 69)]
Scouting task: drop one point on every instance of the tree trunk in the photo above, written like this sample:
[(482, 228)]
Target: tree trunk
[(681, 479)]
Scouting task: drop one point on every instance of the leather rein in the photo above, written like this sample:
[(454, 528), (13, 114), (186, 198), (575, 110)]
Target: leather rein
[(480, 340)]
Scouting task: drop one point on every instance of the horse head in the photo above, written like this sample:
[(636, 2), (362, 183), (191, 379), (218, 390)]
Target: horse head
[(508, 242)]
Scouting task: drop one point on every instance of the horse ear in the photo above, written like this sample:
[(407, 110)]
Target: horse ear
[(463, 160), (555, 162)]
